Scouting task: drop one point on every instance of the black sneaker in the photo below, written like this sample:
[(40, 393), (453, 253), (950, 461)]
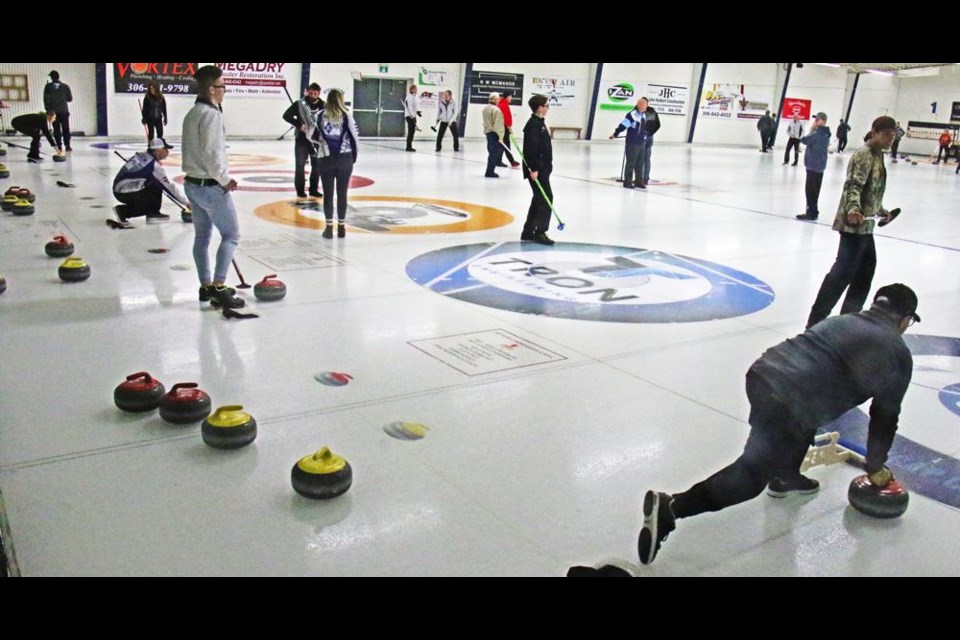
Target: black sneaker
[(157, 217), (315, 194), (490, 175), (29, 159), (526, 236), (118, 211), (628, 185), (413, 150), (301, 194), (609, 569), (806, 216), (206, 296), (802, 485), (658, 522), (541, 238), (328, 231), (222, 297), (641, 185), (341, 230)]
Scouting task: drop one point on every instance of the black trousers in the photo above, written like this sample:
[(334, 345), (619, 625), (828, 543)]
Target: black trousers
[(944, 153), (775, 448), (141, 203), (764, 140), (303, 149), (506, 141), (411, 129), (61, 130), (856, 261), (442, 129), (633, 168), (814, 182), (773, 134), (793, 143), (335, 172), (154, 129), (841, 144), (538, 215)]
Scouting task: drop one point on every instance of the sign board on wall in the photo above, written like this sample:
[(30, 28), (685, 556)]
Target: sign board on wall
[(930, 130), (796, 107), (173, 77), (428, 78), (254, 79), (734, 101), (483, 83), (955, 112), (668, 99), (560, 92)]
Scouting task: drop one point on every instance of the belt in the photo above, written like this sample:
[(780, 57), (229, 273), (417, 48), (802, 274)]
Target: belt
[(203, 182)]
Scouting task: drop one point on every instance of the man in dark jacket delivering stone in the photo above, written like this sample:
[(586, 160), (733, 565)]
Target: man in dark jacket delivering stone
[(794, 389)]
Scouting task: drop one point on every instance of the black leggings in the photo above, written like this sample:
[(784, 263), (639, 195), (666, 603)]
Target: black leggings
[(335, 169), (775, 448), (154, 125)]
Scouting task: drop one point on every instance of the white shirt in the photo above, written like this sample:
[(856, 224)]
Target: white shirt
[(204, 144), (795, 129), (447, 111), (411, 104)]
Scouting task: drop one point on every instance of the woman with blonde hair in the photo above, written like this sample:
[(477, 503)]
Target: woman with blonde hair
[(154, 111), (336, 143)]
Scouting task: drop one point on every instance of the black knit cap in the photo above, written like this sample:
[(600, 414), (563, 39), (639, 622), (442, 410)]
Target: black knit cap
[(898, 298)]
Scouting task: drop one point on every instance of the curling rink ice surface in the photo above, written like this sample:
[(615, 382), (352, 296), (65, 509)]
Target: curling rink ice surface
[(553, 386)]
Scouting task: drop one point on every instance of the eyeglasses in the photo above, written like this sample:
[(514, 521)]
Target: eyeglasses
[(218, 86)]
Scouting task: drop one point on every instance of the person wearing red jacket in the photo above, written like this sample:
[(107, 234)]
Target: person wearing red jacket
[(945, 141), (504, 106)]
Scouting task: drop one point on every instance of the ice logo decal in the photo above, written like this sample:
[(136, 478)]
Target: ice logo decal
[(590, 282)]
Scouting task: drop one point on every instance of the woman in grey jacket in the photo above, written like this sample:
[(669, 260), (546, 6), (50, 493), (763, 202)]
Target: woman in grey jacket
[(336, 138)]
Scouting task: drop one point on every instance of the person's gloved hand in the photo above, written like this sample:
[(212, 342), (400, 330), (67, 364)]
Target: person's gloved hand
[(881, 478)]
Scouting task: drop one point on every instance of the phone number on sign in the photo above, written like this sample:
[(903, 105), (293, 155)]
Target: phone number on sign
[(164, 88)]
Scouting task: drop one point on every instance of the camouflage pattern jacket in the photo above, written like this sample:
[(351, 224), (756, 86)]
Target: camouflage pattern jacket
[(863, 191)]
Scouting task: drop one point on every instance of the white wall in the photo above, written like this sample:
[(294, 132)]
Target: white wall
[(81, 76), (761, 81), (913, 103), (673, 128), (243, 116), (876, 95), (340, 75), (573, 116), (824, 87)]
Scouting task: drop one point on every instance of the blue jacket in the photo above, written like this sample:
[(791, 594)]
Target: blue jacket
[(632, 123), (815, 158)]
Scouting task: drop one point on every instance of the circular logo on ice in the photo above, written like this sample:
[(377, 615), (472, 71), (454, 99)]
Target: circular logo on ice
[(950, 397), (390, 214), (620, 92), (590, 282), (278, 181)]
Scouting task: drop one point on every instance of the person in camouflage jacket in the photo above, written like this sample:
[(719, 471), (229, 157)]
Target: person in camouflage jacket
[(861, 207)]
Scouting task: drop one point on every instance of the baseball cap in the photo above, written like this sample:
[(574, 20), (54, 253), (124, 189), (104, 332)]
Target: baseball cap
[(898, 298)]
